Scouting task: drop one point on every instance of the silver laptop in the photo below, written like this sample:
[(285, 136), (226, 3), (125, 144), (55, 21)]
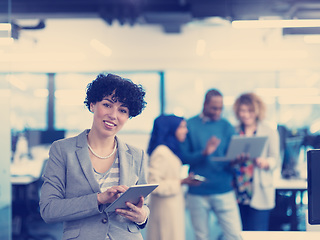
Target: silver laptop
[(242, 144)]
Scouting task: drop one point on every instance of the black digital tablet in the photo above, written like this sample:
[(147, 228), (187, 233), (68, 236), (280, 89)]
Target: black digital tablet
[(132, 195)]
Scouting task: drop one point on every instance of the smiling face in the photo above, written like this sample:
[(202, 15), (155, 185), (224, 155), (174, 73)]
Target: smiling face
[(109, 116), (247, 115), (182, 131), (213, 108)]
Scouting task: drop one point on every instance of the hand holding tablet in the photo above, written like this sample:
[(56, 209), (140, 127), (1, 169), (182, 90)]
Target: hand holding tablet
[(132, 195)]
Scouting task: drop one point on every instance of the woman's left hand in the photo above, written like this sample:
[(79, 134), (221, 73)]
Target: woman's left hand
[(262, 163), (242, 158), (135, 213)]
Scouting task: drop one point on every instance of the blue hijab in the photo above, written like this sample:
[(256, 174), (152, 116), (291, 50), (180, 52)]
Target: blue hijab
[(163, 133)]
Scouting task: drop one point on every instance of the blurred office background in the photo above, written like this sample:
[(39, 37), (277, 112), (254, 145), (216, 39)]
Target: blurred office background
[(177, 49)]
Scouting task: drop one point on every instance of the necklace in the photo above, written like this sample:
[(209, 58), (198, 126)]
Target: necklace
[(98, 156)]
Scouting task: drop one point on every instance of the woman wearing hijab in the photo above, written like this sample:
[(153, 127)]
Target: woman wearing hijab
[(167, 207)]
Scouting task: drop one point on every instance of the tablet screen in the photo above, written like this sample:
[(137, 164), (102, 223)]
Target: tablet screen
[(132, 195)]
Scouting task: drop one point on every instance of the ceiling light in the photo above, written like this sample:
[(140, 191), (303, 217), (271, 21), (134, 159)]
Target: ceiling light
[(16, 82), (255, 55), (299, 100), (100, 47), (287, 92), (282, 23)]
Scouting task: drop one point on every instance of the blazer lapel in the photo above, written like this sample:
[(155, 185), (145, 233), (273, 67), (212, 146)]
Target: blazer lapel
[(126, 164), (84, 161)]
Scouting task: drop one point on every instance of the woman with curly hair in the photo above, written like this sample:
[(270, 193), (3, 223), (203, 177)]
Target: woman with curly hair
[(86, 173), (254, 177)]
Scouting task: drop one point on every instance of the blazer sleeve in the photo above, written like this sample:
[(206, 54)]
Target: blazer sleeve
[(54, 206)]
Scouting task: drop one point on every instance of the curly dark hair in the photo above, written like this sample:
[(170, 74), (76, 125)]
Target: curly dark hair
[(121, 89)]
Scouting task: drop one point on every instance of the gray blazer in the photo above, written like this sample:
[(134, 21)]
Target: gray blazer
[(69, 191), (263, 180), (263, 197)]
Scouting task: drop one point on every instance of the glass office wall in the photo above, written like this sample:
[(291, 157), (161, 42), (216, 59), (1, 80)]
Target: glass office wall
[(298, 96), (28, 100), (292, 97), (187, 99), (70, 111), (29, 103), (5, 156)]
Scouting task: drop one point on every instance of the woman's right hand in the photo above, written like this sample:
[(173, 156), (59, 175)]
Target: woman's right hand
[(212, 145), (111, 194)]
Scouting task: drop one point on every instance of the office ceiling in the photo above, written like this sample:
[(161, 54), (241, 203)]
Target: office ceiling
[(154, 34), (170, 14)]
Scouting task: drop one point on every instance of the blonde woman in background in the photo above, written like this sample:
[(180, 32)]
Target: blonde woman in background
[(254, 177)]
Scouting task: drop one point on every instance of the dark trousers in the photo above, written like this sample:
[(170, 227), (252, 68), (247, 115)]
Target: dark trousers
[(253, 219)]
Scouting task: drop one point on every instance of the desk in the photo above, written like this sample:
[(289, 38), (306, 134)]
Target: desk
[(20, 206), (299, 184), (280, 235), (26, 169), (24, 175), (22, 180), (294, 186)]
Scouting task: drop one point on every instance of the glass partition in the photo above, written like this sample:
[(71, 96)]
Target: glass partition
[(292, 97), (187, 99), (5, 156), (5, 140), (28, 100)]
